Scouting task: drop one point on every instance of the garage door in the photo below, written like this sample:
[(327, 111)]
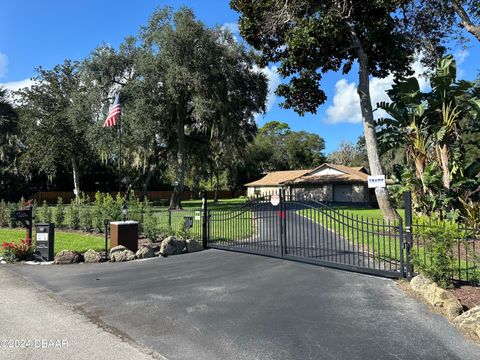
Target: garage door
[(342, 193)]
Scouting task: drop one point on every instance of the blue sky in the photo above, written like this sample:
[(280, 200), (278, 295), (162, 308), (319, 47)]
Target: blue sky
[(43, 33)]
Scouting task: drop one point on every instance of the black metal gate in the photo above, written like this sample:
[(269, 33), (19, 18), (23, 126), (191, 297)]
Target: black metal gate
[(306, 230)]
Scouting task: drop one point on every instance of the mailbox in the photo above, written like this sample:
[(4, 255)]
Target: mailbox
[(45, 239), (25, 217)]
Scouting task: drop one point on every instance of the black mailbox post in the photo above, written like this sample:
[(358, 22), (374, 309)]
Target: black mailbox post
[(45, 240)]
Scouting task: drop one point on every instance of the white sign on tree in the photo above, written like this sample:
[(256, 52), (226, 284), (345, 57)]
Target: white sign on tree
[(375, 181)]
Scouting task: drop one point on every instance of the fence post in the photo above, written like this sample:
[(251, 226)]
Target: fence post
[(106, 223), (30, 224), (205, 220), (408, 233)]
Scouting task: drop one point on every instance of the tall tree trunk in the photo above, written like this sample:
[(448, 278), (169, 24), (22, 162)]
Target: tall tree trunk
[(465, 20), (175, 200), (371, 144), (195, 185), (76, 178), (215, 197), (146, 181)]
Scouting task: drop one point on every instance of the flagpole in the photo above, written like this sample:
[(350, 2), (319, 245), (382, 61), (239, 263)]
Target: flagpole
[(120, 154)]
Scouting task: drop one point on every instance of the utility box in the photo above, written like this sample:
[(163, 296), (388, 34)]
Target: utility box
[(124, 233), (188, 222), (45, 240)]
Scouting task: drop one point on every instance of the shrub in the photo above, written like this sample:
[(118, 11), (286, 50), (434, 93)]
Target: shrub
[(149, 221), (183, 233), (97, 212), (9, 208), (85, 218), (44, 214), (13, 252), (59, 216), (4, 214), (73, 215), (438, 238)]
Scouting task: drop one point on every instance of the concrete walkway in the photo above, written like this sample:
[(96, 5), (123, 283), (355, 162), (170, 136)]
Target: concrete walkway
[(34, 324)]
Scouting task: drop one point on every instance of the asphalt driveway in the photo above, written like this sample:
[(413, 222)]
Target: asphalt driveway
[(303, 237), (224, 305)]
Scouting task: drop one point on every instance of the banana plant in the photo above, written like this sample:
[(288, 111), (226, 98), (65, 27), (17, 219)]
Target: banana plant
[(429, 128)]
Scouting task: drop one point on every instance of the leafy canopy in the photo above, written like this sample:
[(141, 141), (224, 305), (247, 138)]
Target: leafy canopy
[(309, 39)]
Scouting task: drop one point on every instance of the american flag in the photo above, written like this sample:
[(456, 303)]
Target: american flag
[(114, 113)]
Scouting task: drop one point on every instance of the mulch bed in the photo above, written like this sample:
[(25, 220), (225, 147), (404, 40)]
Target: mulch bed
[(469, 296)]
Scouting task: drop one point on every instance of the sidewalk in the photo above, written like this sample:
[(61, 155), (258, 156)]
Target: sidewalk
[(36, 325)]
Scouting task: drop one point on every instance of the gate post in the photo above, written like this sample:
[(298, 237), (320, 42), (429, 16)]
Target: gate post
[(408, 233), (283, 218), (205, 220)]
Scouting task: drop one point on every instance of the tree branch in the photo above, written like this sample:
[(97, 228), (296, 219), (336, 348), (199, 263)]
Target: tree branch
[(465, 20)]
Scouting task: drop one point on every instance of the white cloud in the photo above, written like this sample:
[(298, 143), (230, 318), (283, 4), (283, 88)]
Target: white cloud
[(273, 81), (3, 64), (346, 103), (232, 26), (17, 85), (460, 57)]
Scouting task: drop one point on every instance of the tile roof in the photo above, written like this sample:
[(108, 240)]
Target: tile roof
[(276, 178), (349, 175)]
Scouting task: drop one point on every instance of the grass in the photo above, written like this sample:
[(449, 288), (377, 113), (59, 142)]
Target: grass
[(367, 212), (64, 240), (222, 204)]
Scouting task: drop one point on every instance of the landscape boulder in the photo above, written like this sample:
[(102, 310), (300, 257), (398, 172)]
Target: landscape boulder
[(144, 242), (172, 246), (145, 252), (439, 298), (92, 256), (420, 282), (67, 257), (121, 253), (160, 238), (193, 245), (469, 320)]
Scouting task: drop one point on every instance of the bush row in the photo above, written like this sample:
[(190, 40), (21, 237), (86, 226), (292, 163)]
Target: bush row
[(87, 214)]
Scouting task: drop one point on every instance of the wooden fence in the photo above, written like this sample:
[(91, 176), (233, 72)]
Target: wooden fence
[(51, 196)]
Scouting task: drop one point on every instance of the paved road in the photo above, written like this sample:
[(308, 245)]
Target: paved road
[(226, 305), (36, 325)]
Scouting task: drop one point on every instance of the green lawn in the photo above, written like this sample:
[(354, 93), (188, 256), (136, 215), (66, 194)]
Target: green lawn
[(222, 204), (64, 240), (367, 212)]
